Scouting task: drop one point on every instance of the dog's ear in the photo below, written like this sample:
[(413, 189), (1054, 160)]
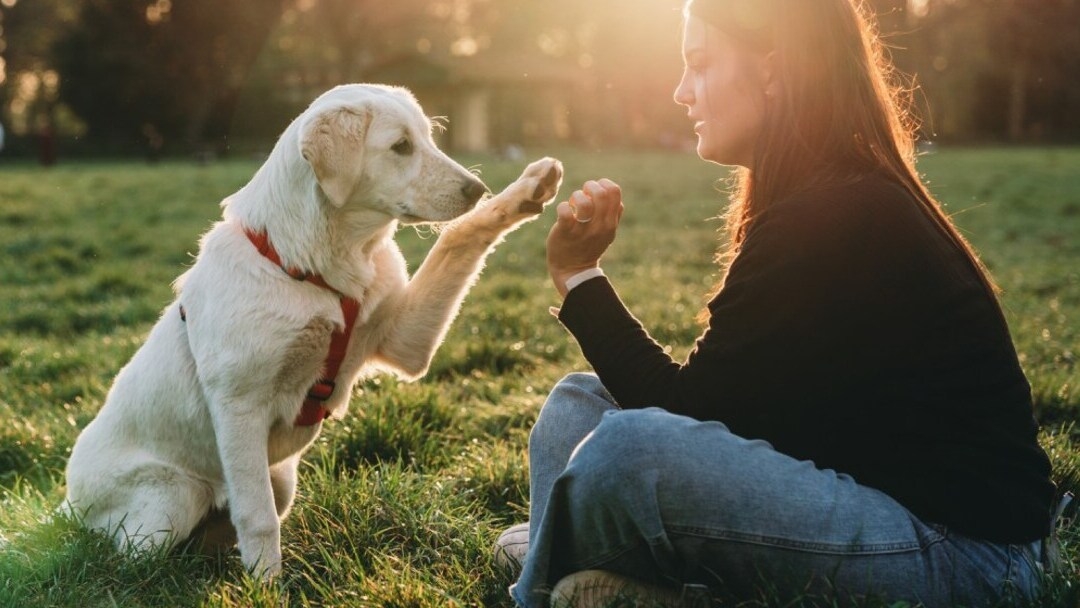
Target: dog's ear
[(332, 142)]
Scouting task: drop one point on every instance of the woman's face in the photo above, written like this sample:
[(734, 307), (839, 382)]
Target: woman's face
[(723, 89)]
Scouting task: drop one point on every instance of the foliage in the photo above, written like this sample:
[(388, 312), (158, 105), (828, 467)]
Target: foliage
[(996, 68), (399, 503), (146, 68), (29, 85), (187, 76)]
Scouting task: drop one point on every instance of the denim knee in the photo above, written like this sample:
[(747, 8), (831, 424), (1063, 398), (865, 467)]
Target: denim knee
[(630, 451), (576, 382), (564, 404), (619, 453), (611, 487)]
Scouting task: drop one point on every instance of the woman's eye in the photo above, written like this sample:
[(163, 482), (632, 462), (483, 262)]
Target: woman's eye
[(403, 147)]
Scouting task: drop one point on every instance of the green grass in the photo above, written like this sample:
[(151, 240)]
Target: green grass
[(399, 503)]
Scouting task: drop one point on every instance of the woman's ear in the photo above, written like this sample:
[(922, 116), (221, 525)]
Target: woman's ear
[(770, 75)]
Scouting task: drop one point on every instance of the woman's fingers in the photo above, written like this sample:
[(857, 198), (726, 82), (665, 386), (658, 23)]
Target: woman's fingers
[(597, 199), (607, 198), (615, 193), (585, 227), (582, 206), (565, 214), (603, 188)]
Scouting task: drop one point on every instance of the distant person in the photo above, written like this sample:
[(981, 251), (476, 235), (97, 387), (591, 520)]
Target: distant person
[(1, 137), (852, 422)]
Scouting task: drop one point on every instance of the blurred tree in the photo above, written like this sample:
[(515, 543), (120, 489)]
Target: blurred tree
[(155, 71), (1037, 60), (28, 82), (212, 47), (994, 68), (317, 44), (345, 37)]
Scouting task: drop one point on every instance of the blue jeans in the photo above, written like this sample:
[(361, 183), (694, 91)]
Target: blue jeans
[(672, 501)]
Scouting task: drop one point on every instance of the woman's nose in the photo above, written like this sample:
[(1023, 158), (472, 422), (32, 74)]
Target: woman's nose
[(684, 95)]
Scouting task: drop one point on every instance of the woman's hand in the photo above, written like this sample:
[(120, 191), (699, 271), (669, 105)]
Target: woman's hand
[(584, 228)]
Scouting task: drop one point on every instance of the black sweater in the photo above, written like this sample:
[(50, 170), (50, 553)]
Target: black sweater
[(850, 331)]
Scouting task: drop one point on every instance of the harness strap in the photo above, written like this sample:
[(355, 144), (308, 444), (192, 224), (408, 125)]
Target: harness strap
[(262, 242), (313, 410)]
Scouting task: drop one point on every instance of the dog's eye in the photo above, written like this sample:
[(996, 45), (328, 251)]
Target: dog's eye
[(403, 147)]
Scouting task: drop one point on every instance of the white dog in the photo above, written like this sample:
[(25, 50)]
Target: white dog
[(296, 293)]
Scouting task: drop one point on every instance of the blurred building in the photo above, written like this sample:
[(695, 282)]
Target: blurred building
[(490, 102)]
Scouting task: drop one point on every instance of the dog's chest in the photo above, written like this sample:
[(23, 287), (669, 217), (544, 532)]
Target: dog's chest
[(287, 440), (326, 354)]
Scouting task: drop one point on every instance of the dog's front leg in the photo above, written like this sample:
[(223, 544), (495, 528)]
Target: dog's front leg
[(242, 433), (423, 311)]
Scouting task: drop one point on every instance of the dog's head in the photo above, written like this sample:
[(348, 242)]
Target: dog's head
[(371, 145)]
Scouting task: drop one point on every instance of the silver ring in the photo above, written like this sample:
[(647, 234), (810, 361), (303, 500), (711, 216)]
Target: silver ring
[(581, 221)]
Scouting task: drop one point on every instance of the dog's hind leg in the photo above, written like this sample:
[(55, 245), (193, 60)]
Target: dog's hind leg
[(157, 506)]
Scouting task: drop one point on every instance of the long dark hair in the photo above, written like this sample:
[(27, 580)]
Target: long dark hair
[(841, 110)]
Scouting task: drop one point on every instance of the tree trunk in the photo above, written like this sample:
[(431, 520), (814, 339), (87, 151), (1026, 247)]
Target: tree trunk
[(195, 127), (1017, 100)]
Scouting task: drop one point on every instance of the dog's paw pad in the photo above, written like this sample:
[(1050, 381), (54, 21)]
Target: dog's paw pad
[(548, 174), (548, 184)]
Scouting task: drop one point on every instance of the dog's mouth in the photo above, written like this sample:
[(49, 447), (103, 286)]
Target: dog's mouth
[(405, 215)]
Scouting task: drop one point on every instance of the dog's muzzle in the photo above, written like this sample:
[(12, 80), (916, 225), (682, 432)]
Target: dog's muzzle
[(473, 189)]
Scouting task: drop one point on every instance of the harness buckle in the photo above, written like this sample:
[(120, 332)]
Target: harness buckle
[(322, 390), (297, 274)]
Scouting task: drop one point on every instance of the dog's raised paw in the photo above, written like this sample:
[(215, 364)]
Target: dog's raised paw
[(526, 198), (549, 183), (547, 174)]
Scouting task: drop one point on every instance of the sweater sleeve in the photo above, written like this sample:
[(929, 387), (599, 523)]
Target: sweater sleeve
[(784, 316), (617, 345)]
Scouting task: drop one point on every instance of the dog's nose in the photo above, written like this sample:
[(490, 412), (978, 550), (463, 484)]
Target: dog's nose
[(473, 189)]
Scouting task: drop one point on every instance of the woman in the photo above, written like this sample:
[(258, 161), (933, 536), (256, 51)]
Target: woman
[(852, 423)]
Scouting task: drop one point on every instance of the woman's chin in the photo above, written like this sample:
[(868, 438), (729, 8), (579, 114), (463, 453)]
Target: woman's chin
[(705, 151), (717, 158), (718, 155)]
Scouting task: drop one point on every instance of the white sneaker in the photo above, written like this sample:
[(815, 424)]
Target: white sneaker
[(511, 546), (598, 589)]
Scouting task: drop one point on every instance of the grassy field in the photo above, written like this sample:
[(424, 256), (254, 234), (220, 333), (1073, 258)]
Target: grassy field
[(398, 504)]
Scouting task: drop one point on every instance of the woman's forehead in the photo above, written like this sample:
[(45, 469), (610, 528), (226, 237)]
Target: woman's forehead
[(699, 36), (695, 35)]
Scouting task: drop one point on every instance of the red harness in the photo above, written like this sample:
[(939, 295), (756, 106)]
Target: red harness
[(314, 409)]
